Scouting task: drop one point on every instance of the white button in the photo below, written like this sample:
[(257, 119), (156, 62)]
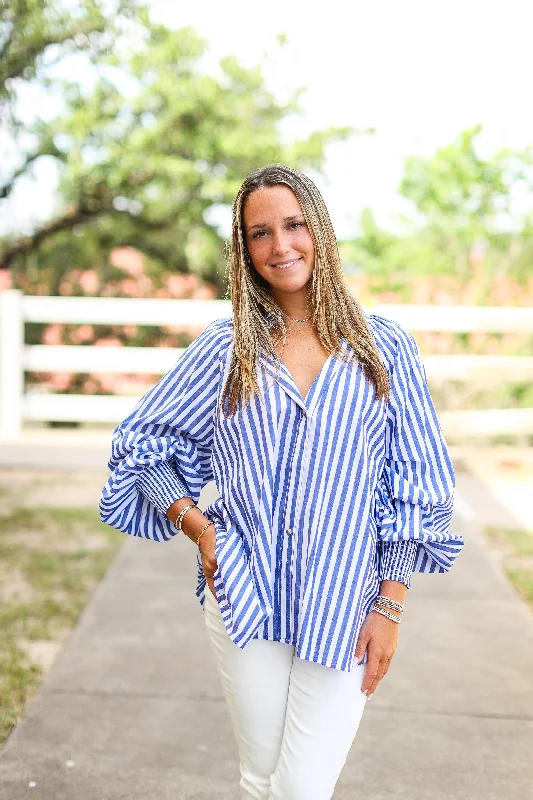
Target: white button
[(288, 532)]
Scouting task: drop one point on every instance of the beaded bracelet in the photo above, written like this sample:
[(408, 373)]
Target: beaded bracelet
[(180, 516), (387, 614), (388, 602)]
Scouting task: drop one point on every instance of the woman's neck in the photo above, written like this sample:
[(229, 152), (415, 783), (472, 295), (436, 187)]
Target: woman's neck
[(295, 305)]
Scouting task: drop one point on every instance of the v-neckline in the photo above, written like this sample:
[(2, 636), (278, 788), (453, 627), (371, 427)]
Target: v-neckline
[(314, 382), (287, 382)]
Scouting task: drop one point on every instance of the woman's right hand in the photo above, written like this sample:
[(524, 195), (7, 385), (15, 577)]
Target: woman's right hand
[(192, 526), (207, 553)]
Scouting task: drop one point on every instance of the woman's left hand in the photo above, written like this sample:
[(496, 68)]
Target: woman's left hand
[(380, 636)]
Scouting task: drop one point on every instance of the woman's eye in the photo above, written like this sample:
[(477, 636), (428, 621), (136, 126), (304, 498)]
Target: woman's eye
[(262, 234)]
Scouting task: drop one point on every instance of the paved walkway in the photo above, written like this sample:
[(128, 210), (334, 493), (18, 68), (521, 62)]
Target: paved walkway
[(132, 709)]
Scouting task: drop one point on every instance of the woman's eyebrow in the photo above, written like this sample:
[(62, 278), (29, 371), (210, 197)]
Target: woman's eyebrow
[(264, 224)]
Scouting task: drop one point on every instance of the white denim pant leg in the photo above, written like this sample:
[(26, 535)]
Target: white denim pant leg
[(255, 682), (294, 720), (324, 709)]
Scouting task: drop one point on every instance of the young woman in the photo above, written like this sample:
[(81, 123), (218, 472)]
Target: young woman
[(335, 485)]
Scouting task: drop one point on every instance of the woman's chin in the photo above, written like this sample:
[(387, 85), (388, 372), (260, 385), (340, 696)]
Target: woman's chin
[(290, 283)]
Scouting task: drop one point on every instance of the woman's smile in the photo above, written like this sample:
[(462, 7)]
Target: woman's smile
[(287, 264)]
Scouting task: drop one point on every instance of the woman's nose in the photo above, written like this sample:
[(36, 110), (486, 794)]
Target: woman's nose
[(280, 242)]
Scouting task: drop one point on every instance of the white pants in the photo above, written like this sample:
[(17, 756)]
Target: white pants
[(294, 720)]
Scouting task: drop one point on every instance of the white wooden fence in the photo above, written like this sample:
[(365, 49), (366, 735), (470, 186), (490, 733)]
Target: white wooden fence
[(16, 357)]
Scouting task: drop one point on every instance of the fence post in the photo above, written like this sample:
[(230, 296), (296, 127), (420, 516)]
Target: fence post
[(11, 363)]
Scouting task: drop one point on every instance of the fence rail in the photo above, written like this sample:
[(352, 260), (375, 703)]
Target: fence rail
[(16, 357), (158, 360), (126, 311)]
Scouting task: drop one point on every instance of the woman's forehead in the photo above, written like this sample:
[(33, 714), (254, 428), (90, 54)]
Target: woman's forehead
[(273, 201)]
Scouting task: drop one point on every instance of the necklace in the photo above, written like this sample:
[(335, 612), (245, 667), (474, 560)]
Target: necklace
[(294, 319)]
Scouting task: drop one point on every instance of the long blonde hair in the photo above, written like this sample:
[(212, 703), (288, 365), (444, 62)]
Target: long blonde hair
[(335, 312)]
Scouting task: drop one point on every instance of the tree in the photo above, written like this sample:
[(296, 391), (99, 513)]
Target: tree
[(465, 224), (151, 149), (34, 36), (465, 199)]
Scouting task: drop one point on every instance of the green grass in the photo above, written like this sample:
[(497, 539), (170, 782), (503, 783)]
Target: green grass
[(522, 580), (59, 555), (516, 550)]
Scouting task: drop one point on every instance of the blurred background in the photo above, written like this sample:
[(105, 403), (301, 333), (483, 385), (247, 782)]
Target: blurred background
[(126, 129)]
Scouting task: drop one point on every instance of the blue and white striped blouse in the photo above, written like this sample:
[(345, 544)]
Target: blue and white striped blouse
[(320, 498)]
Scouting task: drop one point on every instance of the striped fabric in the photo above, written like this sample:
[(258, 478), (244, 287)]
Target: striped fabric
[(320, 499)]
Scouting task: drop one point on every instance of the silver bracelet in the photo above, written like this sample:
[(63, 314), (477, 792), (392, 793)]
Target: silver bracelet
[(180, 516), (388, 602), (386, 614)]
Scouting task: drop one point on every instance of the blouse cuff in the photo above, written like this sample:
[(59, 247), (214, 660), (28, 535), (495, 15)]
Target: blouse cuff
[(161, 485), (397, 560)]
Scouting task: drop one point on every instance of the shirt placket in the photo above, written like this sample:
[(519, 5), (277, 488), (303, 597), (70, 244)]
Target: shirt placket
[(292, 530)]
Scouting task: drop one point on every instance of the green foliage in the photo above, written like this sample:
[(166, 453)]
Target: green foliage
[(464, 221), (35, 35), (29, 27), (150, 148)]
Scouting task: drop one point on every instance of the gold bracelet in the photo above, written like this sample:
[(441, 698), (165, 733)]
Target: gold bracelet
[(203, 531)]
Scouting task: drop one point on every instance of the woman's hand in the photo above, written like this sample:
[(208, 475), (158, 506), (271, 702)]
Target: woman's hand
[(207, 553), (380, 636), (192, 526)]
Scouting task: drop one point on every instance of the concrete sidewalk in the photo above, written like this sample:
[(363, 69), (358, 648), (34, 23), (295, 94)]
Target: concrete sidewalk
[(132, 709)]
